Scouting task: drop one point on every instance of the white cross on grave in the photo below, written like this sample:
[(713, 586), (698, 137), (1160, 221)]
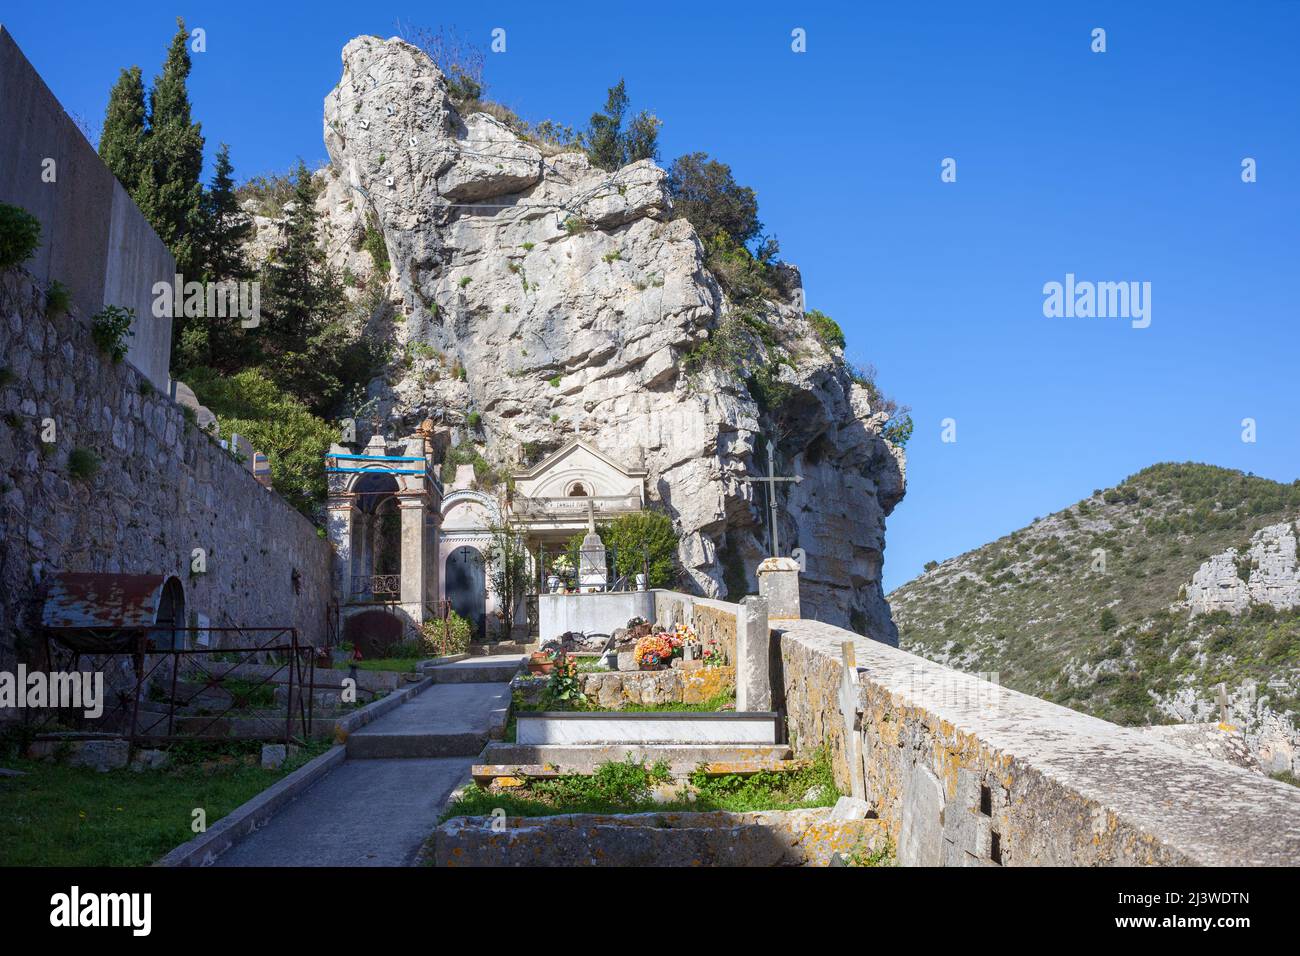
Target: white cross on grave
[(771, 479), (849, 688)]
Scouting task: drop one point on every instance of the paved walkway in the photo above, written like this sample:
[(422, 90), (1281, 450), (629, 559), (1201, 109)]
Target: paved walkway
[(380, 805)]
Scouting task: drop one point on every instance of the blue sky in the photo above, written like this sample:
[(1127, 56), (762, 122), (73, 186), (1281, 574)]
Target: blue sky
[(1118, 166)]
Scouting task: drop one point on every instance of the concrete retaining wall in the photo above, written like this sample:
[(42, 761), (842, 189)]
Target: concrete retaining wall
[(599, 613), (964, 772), (93, 237), (163, 488), (767, 838), (583, 728)]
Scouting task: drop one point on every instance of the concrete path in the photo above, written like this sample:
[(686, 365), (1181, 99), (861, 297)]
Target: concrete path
[(365, 813), (447, 720), (380, 805)]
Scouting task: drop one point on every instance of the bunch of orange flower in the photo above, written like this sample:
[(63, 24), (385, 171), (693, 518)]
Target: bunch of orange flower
[(654, 649)]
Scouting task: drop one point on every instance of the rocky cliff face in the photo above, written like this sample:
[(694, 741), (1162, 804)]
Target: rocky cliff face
[(570, 298), (1265, 572)]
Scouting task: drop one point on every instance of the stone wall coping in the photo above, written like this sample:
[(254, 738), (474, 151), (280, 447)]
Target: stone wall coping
[(704, 601), (1209, 811), (727, 715)]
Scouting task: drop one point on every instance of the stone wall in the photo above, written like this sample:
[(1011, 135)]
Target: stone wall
[(964, 772), (93, 238), (162, 487), (611, 690), (713, 620)]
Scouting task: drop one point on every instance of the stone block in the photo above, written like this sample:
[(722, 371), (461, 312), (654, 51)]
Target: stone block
[(850, 808), (102, 754), (778, 582), (274, 756), (150, 760)]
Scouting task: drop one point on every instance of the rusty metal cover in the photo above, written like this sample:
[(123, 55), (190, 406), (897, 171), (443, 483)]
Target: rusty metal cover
[(83, 600)]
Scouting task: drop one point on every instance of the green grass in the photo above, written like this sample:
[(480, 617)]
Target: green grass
[(627, 788), (72, 816)]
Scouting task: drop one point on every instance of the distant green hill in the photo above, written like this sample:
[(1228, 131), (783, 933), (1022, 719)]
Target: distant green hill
[(1031, 606)]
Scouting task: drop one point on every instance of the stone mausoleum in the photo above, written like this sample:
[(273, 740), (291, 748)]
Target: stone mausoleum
[(403, 543)]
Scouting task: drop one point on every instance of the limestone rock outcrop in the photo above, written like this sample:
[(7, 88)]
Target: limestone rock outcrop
[(1267, 572), (533, 296)]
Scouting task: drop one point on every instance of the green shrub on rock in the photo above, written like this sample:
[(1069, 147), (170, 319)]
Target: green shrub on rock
[(20, 234)]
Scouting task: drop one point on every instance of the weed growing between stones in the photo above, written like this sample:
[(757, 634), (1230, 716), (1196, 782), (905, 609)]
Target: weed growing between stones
[(886, 855), (110, 328), (82, 464), (57, 299)]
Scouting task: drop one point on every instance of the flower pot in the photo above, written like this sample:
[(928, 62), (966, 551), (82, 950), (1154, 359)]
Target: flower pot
[(540, 667)]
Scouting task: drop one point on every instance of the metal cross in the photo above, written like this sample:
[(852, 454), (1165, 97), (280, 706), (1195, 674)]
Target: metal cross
[(771, 479)]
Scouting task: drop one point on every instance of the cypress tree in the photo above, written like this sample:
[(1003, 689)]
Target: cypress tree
[(303, 339), (170, 193), (207, 341), (121, 142), (225, 227)]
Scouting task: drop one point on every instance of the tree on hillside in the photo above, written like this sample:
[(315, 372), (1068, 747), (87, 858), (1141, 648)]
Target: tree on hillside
[(302, 298), (121, 141), (305, 340), (225, 226), (609, 145), (206, 341), (169, 193), (705, 193)]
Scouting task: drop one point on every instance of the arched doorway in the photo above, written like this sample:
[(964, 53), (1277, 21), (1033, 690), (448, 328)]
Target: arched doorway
[(466, 587), (376, 539)]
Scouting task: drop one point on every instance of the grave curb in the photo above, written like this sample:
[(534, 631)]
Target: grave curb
[(369, 713), (253, 814)]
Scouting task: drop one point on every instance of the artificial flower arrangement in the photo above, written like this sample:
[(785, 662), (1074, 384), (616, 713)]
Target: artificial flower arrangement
[(654, 650)]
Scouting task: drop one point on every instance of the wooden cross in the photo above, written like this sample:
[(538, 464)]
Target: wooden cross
[(771, 479)]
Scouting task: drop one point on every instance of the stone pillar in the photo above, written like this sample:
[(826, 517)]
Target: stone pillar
[(341, 518), (753, 647), (414, 538), (778, 582)]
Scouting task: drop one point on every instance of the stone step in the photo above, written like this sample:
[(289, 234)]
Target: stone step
[(379, 746), (447, 720), (682, 759), (484, 670)]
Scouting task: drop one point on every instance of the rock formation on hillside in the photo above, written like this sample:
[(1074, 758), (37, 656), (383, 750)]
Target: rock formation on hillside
[(1265, 573), (570, 298)]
